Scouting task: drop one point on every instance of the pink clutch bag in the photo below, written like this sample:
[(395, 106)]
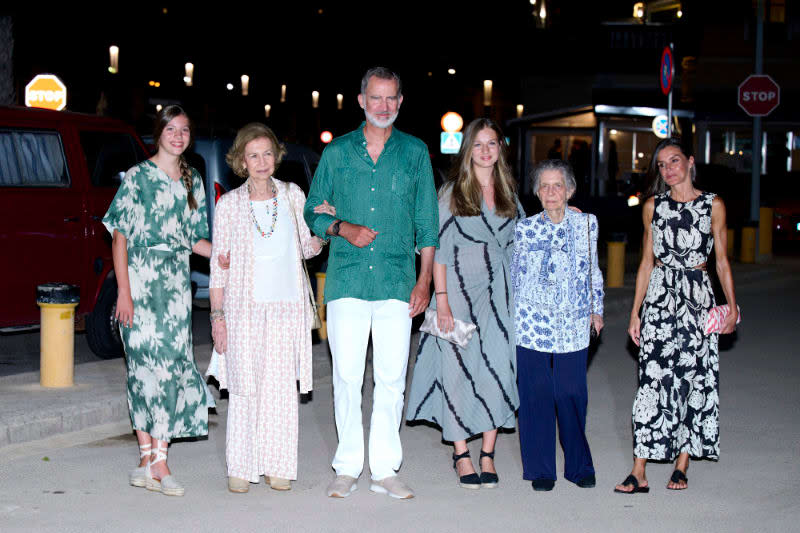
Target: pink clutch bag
[(716, 316)]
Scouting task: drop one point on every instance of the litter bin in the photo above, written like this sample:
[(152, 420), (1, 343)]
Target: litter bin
[(616, 259), (748, 248), (57, 302)]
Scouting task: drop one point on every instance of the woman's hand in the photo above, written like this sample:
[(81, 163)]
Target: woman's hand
[(444, 316), (597, 320), (634, 328), (317, 244), (124, 312), (325, 207), (219, 333), (729, 326), (224, 260)]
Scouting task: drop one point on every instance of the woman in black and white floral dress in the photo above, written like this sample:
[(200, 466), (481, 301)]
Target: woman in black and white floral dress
[(676, 410)]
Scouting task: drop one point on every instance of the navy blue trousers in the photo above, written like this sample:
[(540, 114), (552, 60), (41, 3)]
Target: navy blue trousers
[(552, 386)]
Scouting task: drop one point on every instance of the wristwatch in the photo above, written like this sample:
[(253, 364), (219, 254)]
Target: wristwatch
[(335, 228)]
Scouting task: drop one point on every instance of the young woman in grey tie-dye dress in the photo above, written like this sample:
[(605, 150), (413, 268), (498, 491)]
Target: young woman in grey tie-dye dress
[(472, 390)]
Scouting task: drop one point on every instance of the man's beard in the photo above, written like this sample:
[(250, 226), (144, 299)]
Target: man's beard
[(378, 123)]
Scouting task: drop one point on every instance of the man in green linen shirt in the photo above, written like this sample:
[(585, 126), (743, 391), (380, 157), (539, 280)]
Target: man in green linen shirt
[(381, 183)]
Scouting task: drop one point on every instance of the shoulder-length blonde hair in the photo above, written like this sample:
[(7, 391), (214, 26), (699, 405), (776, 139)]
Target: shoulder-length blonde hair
[(467, 197), (251, 132)]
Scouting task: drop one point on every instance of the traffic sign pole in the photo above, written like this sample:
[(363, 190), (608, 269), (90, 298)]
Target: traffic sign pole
[(669, 108), (755, 181), (666, 77)]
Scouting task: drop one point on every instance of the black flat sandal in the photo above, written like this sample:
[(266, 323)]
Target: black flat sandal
[(631, 480), (469, 481), (489, 480), (678, 476)]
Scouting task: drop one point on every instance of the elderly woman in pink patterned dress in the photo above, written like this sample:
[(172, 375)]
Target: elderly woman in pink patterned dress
[(260, 312)]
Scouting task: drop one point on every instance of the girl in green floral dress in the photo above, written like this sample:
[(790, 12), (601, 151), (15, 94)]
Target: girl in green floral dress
[(157, 219)]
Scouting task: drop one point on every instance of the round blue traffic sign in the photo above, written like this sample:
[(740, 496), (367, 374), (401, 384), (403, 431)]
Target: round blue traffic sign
[(667, 70)]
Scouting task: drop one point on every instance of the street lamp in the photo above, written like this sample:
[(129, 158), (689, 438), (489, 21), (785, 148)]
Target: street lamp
[(267, 109), (339, 101), (188, 78), (245, 84), (283, 93), (113, 57), (520, 109), (452, 122), (451, 71), (315, 99), (487, 93)]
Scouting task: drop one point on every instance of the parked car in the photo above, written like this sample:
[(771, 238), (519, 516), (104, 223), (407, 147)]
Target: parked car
[(59, 172), (207, 155)]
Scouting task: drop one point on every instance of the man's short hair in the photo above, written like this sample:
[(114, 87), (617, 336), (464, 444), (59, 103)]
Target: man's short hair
[(384, 74)]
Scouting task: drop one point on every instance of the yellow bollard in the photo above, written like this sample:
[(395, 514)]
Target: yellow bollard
[(731, 236), (765, 232), (323, 331), (748, 249), (616, 264), (57, 302)]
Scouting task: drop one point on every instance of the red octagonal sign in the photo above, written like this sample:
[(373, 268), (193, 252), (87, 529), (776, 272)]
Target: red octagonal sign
[(759, 95)]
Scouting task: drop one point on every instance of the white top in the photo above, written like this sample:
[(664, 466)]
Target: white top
[(274, 274)]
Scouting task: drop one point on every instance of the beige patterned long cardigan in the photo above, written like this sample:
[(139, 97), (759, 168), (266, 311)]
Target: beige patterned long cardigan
[(233, 231)]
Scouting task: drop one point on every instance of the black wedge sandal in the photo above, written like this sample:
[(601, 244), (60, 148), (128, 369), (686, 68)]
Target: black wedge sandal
[(469, 481), (489, 480)]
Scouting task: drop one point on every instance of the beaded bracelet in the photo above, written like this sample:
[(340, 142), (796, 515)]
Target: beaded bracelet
[(217, 315)]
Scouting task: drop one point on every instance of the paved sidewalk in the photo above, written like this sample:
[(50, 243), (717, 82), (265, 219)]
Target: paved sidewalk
[(77, 481)]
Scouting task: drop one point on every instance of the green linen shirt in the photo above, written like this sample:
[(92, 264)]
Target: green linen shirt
[(395, 197)]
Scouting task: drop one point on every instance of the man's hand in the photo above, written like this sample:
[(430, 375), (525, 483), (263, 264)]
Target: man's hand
[(420, 297), (356, 234)]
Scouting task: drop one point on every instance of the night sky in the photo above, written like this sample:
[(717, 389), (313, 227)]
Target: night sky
[(324, 46)]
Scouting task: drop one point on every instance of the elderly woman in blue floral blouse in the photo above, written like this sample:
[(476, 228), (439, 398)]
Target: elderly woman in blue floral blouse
[(558, 295)]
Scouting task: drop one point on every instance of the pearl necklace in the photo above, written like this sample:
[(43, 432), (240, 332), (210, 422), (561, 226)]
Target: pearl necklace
[(269, 233)]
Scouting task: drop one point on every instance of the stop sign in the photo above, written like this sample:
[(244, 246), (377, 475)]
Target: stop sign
[(47, 91), (759, 95)]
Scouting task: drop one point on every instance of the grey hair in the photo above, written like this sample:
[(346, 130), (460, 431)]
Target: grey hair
[(558, 165), (384, 74)]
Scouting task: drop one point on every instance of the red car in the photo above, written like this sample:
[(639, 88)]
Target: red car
[(58, 174)]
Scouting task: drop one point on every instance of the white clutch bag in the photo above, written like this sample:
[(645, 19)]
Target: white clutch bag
[(460, 335), (213, 365)]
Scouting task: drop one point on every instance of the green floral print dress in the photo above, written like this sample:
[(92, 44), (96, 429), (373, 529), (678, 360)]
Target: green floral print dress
[(167, 396)]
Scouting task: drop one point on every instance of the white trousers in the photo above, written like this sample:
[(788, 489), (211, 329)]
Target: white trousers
[(350, 321)]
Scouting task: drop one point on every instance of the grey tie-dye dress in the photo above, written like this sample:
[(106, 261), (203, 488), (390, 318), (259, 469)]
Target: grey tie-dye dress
[(167, 396), (470, 390)]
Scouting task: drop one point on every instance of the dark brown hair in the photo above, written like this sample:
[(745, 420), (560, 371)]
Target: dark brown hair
[(162, 119), (466, 197), (656, 185)]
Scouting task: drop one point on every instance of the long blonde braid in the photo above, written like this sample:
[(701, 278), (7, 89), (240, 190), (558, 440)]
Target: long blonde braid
[(186, 177)]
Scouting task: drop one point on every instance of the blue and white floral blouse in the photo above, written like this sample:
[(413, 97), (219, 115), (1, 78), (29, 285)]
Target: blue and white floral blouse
[(550, 275)]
